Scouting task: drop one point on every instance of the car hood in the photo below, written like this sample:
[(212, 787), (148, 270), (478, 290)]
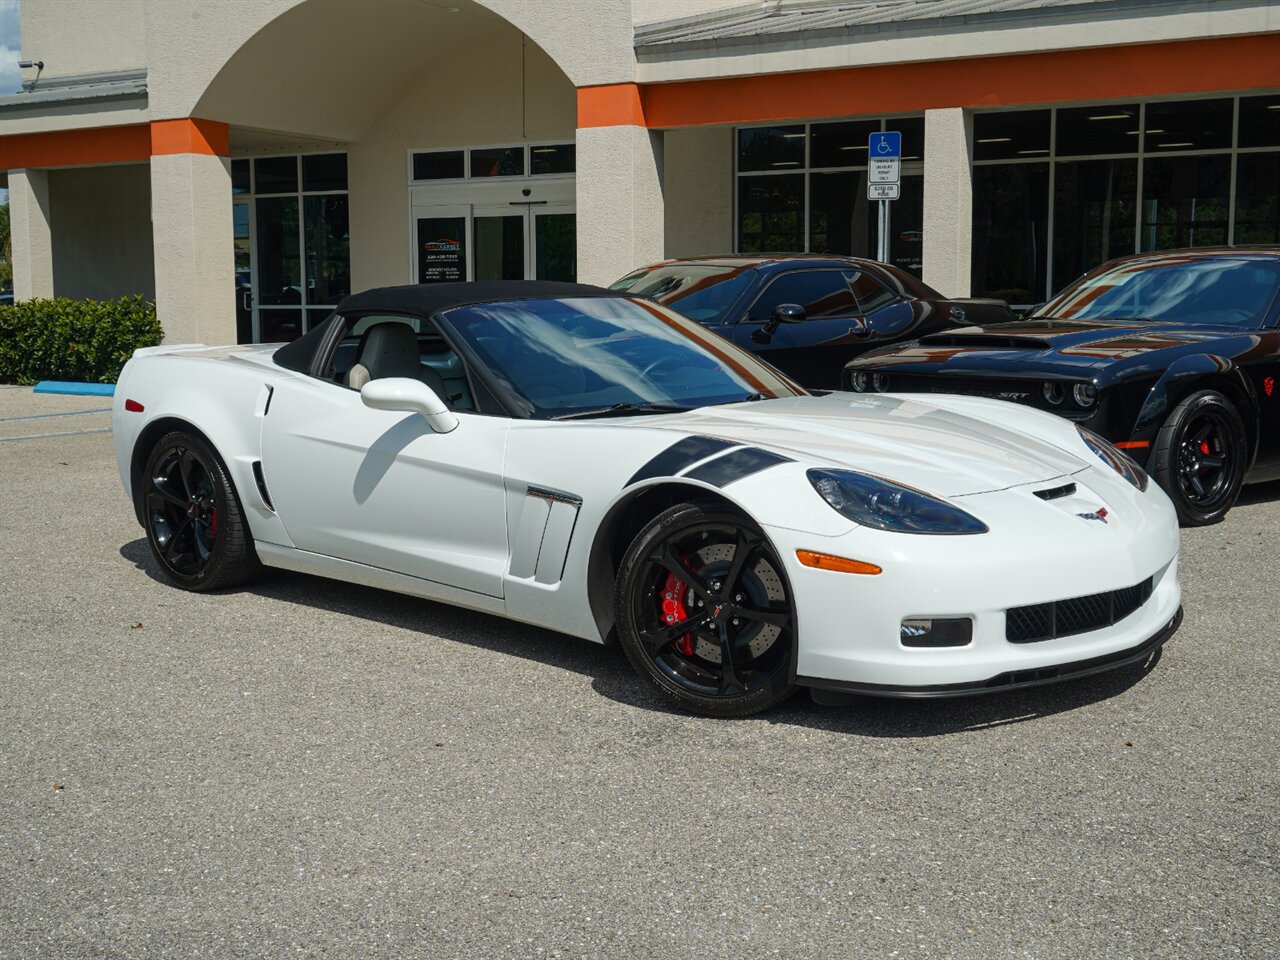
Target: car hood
[(903, 439), (1035, 345)]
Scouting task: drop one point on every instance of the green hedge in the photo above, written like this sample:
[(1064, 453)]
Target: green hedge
[(83, 340)]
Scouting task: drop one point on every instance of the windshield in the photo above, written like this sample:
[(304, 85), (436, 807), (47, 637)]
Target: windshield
[(701, 291), (1189, 289), (581, 356)]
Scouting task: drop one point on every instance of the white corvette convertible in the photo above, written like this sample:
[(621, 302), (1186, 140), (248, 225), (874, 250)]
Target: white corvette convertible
[(596, 464)]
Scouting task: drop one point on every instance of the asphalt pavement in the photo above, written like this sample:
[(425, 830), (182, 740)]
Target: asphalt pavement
[(306, 768)]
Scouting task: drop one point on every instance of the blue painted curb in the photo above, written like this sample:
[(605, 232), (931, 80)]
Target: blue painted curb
[(80, 389)]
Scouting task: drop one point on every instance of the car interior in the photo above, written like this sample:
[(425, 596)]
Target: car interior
[(385, 346)]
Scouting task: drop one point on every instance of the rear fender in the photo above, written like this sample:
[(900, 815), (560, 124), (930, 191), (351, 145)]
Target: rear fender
[(223, 402)]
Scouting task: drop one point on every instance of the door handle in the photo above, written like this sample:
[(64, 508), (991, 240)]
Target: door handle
[(246, 300), (861, 328), (956, 314)]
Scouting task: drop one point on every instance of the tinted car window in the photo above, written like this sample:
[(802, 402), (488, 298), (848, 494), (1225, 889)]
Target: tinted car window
[(871, 294), (701, 292), (822, 293), (1185, 289)]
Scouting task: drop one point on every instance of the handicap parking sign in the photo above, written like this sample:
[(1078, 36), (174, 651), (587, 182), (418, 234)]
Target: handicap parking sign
[(885, 145)]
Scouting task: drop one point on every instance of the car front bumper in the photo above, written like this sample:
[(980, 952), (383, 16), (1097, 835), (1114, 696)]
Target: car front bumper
[(849, 626)]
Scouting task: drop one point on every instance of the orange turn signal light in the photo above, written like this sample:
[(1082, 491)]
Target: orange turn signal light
[(825, 561), (1133, 444)]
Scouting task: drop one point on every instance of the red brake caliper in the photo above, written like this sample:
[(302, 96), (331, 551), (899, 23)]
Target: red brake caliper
[(673, 610), (1204, 447)]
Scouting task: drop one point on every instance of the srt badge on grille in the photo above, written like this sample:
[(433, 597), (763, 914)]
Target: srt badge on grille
[(1100, 515)]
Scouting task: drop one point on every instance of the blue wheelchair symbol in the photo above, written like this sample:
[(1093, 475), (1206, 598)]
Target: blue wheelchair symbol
[(886, 145)]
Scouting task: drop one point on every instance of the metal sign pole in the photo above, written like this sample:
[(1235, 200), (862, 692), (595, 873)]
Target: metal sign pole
[(882, 247)]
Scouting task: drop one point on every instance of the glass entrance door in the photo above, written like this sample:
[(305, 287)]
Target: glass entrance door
[(242, 234), (555, 242), (501, 243), (515, 241)]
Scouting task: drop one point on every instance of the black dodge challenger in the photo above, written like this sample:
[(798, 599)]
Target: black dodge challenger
[(1173, 356), (807, 314)]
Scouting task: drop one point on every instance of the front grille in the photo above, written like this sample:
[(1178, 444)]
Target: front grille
[(1063, 618)]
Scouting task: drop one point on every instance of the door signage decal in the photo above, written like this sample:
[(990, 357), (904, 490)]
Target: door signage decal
[(442, 253)]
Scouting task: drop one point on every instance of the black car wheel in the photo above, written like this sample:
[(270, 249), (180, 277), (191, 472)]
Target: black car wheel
[(1199, 457), (704, 612), (192, 516)]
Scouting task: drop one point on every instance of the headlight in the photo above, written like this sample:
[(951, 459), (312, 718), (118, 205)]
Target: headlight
[(858, 381), (872, 502), (1114, 458), (1084, 394), (1054, 393)]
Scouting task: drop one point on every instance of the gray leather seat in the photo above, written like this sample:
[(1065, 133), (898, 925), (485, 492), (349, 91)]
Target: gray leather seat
[(391, 350)]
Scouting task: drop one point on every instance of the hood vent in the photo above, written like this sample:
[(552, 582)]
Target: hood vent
[(1004, 341), (1056, 493)]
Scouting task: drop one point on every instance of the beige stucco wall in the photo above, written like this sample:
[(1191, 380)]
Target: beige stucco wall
[(195, 271), (428, 113), (102, 245), (699, 191), (83, 36)]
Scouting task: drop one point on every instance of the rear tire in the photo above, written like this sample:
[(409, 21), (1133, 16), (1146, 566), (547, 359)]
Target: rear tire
[(1199, 457), (712, 572), (193, 518)]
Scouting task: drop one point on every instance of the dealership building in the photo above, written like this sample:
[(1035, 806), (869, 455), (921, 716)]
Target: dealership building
[(246, 163)]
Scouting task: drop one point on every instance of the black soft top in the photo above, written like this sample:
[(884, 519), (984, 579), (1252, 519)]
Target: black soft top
[(422, 299), (425, 299)]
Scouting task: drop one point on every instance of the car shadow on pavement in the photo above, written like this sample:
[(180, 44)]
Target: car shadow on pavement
[(1259, 493), (612, 677)]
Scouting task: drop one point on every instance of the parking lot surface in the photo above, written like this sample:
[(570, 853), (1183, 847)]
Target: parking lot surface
[(307, 768)]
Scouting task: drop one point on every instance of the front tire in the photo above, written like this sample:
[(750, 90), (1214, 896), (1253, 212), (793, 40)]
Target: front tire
[(1199, 457), (704, 612), (193, 518)]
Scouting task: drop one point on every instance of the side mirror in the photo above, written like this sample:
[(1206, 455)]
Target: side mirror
[(788, 313), (782, 313), (412, 396)]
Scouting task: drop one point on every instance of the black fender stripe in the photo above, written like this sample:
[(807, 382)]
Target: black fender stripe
[(679, 455), (736, 465)]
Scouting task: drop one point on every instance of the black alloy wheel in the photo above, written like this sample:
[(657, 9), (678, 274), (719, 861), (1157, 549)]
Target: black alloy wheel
[(192, 516), (704, 612), (1199, 457)]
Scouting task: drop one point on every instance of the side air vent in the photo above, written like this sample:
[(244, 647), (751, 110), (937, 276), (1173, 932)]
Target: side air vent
[(1057, 493), (261, 481)]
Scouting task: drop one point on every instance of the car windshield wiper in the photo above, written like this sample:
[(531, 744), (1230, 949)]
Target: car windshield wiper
[(749, 398), (623, 409)]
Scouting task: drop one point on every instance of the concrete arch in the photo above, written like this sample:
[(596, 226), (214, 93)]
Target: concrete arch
[(353, 50)]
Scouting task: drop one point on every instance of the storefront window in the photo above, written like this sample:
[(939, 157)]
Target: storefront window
[(1185, 201), (1188, 125), (770, 148), (1118, 179), (1093, 214), (1094, 131), (1011, 135), (1010, 231), (771, 214), (1260, 121), (1258, 198), (826, 211), (294, 265)]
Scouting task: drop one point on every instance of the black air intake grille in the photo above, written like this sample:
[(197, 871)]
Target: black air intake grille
[(1063, 618)]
